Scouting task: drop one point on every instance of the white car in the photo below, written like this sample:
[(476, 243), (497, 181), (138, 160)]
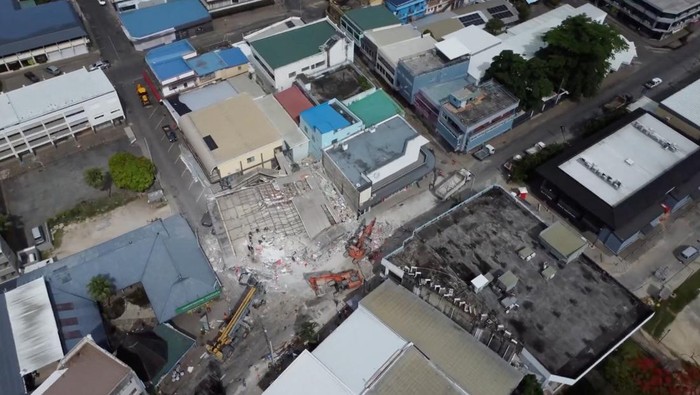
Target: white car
[(102, 2), (653, 83), (101, 64)]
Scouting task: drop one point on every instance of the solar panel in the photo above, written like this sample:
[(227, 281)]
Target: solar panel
[(502, 15), (499, 8), (472, 19)]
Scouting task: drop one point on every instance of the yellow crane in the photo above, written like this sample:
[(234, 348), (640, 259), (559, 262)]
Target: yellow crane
[(224, 338)]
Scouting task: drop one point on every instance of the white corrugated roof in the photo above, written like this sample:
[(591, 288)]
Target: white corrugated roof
[(307, 375), (34, 326), (357, 350), (686, 102), (52, 95), (474, 38), (452, 48)]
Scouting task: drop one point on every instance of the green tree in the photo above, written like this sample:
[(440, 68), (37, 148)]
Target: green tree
[(5, 222), (526, 79), (307, 332), (528, 386), (578, 54), (552, 3), (494, 26), (523, 10), (94, 177), (131, 172), (101, 288)]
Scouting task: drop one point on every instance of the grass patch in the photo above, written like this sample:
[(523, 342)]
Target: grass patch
[(57, 236), (666, 311), (91, 208)]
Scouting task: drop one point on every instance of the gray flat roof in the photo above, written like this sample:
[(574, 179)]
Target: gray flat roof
[(425, 62), (673, 6), (437, 94), (566, 241), (493, 97), (390, 35), (367, 152), (630, 157), (686, 103), (567, 323)]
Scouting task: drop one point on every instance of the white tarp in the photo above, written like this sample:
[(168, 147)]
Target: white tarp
[(34, 327)]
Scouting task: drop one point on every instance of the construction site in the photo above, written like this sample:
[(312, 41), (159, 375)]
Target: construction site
[(482, 263)]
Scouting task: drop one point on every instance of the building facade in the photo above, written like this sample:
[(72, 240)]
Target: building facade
[(474, 115), (328, 123), (657, 18), (428, 69), (309, 49), (41, 34), (407, 10), (56, 109)]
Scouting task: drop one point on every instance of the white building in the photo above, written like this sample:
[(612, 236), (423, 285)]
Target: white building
[(54, 109), (526, 39), (388, 56), (308, 49)]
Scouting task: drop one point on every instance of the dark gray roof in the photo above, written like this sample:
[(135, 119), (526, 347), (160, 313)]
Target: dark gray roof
[(30, 28), (164, 256), (12, 382)]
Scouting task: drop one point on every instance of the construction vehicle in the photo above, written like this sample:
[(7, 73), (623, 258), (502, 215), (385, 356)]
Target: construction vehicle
[(453, 183), (617, 102), (143, 94), (221, 347), (349, 279), (358, 246)]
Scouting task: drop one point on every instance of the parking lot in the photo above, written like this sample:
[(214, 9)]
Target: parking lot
[(16, 80), (36, 195)]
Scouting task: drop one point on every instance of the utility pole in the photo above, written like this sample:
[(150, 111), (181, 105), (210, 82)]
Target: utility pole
[(267, 339)]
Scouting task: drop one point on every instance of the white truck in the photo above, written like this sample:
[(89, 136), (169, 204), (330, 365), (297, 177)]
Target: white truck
[(453, 183), (485, 151), (535, 148)]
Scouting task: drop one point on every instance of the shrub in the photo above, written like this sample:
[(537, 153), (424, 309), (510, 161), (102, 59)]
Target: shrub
[(494, 26), (94, 177), (131, 172)]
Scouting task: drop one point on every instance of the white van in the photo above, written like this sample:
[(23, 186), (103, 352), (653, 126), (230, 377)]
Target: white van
[(38, 235)]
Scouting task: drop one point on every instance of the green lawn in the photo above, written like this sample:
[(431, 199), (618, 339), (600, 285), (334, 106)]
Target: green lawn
[(667, 310)]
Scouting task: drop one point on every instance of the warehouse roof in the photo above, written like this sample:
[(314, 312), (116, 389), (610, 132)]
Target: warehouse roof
[(454, 351), (24, 29), (473, 38), (168, 61), (158, 19), (163, 256), (53, 94), (686, 103), (375, 108), (308, 376), (648, 186), (563, 239), (568, 323), (371, 17), (294, 44), (284, 124)]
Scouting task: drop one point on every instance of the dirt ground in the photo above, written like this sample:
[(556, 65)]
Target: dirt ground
[(81, 236), (683, 336)]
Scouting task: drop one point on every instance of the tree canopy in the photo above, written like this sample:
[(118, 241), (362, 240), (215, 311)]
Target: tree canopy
[(94, 177), (578, 54), (131, 172), (526, 79), (528, 386), (494, 26), (101, 288)]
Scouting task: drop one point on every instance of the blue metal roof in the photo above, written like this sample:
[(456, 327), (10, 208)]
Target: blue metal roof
[(29, 28), (166, 61), (398, 3), (175, 14), (211, 62), (324, 118), (163, 256)]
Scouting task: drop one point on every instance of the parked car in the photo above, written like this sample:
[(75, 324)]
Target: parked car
[(53, 70), (169, 133), (102, 2), (687, 254), (653, 83), (31, 77), (100, 64)]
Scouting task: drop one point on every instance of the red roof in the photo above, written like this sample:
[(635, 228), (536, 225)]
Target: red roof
[(294, 101)]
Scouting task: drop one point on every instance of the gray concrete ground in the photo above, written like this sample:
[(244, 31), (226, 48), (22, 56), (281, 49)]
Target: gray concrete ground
[(683, 336), (42, 193), (16, 79)]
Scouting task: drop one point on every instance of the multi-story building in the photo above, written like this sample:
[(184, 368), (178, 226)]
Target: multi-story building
[(388, 56), (39, 34), (328, 123), (307, 49), (381, 37), (429, 100), (658, 18), (52, 110), (429, 68), (474, 115), (9, 264), (407, 10), (356, 22)]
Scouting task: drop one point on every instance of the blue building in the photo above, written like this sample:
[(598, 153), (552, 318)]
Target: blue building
[(327, 124), (429, 100), (474, 115), (407, 10), (427, 69)]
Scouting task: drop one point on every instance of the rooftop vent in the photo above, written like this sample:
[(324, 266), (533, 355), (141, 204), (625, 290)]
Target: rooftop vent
[(649, 132), (615, 183), (629, 161)]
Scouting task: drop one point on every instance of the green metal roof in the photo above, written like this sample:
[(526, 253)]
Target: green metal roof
[(375, 108), (293, 45), (371, 17)]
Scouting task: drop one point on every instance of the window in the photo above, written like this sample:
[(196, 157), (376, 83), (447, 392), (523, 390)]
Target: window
[(251, 159), (292, 74), (320, 64), (305, 68)]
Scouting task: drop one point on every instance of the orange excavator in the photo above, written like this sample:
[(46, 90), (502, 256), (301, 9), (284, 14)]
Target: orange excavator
[(358, 246), (349, 279)]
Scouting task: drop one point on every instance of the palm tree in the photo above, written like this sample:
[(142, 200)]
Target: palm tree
[(307, 332), (101, 288)]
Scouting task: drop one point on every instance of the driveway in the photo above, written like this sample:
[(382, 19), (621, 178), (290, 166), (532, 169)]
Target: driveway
[(683, 336)]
